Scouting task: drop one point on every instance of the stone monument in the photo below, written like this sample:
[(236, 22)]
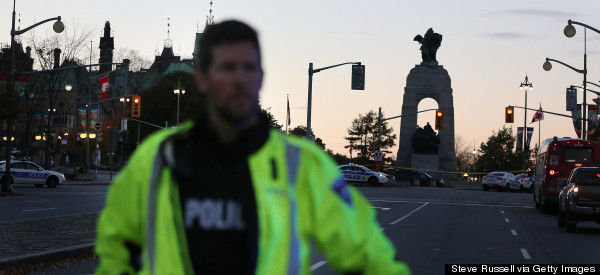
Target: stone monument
[(427, 80)]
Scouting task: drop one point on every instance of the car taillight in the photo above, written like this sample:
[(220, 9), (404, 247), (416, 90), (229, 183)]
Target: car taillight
[(500, 178), (523, 180), (553, 172)]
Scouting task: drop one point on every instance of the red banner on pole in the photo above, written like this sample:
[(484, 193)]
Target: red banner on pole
[(103, 86)]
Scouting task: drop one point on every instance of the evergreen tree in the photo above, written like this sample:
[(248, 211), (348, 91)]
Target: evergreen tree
[(362, 136), (497, 154)]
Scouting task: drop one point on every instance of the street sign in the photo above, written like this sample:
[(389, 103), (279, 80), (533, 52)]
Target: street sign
[(98, 126), (377, 156)]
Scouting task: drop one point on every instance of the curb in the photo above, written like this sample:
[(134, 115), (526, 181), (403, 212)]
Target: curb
[(86, 183), (48, 256)]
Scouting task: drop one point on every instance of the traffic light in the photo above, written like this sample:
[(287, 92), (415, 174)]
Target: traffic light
[(136, 106), (358, 77), (439, 120), (509, 115), (571, 99)]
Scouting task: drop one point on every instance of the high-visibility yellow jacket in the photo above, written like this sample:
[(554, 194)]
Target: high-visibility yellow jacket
[(311, 201)]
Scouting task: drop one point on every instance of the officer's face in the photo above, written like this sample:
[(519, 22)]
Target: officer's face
[(232, 81)]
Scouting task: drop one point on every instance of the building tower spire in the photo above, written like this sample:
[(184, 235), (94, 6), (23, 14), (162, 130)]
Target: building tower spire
[(168, 41), (210, 19), (107, 45)]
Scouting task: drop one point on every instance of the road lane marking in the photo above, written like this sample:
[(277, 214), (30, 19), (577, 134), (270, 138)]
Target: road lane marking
[(407, 215), (454, 203), (525, 254), (41, 209), (317, 265), (501, 211), (382, 208), (506, 220), (514, 232)]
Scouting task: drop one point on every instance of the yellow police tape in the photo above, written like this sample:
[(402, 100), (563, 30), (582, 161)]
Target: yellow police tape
[(459, 173)]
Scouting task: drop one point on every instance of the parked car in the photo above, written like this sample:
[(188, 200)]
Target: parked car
[(579, 199), (29, 172), (411, 175), (497, 180), (405, 174), (521, 183), (426, 180), (358, 173)]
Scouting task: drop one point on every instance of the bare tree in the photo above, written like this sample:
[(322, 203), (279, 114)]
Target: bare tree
[(137, 63), (464, 155), (47, 89), (74, 44)]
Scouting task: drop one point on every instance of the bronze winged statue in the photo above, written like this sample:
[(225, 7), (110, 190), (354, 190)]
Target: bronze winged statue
[(429, 46)]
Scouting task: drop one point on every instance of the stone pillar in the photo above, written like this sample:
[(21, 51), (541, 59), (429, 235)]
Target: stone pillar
[(425, 82)]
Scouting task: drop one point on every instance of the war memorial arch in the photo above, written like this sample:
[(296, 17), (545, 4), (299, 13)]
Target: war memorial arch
[(422, 148)]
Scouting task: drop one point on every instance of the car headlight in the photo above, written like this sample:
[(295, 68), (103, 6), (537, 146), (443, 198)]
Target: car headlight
[(61, 175)]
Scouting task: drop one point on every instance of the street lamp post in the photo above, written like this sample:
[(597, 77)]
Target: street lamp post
[(48, 139), (58, 27), (548, 66), (66, 135), (524, 87), (123, 100), (474, 154), (570, 31), (178, 91), (312, 71)]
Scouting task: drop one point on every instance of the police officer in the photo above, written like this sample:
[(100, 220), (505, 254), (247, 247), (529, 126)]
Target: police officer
[(225, 194)]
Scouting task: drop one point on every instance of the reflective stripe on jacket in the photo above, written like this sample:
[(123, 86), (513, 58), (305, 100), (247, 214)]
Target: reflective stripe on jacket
[(310, 201)]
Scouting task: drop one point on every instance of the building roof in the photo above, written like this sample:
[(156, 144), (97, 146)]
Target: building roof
[(184, 66)]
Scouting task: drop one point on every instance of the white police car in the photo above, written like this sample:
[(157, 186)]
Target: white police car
[(29, 172), (358, 173)]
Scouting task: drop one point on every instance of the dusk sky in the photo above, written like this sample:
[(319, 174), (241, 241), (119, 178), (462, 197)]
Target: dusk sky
[(488, 47)]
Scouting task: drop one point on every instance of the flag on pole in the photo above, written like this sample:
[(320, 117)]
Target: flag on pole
[(289, 120), (539, 115), (103, 86)]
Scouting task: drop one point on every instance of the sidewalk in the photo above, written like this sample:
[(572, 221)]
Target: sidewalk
[(33, 242)]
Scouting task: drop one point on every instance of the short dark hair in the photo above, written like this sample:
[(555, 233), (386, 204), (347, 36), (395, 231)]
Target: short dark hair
[(226, 32)]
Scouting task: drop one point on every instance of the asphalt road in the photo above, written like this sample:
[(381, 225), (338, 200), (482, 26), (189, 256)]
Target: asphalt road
[(431, 227), (65, 199)]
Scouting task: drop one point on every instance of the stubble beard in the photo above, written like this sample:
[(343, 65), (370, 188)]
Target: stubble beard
[(238, 120)]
